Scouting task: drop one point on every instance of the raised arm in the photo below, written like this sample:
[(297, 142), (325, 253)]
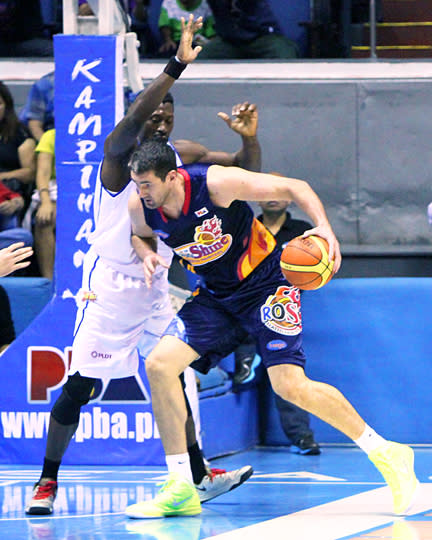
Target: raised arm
[(122, 140), (244, 121), (227, 184)]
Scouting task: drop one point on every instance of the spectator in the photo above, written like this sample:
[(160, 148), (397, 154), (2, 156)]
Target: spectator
[(7, 329), (13, 258), (38, 112), (22, 29), (170, 23), (17, 169), (44, 203), (246, 29), (138, 14)]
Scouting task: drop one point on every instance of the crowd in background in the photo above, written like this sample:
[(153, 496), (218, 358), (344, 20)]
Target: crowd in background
[(231, 29)]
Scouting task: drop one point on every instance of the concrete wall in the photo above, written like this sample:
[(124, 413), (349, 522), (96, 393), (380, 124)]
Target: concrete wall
[(363, 145)]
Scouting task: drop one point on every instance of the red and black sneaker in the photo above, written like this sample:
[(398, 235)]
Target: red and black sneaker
[(43, 499)]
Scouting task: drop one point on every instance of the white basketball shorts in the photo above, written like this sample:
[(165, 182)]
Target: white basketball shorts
[(115, 311)]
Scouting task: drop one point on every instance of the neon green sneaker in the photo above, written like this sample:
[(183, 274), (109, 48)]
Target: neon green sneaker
[(396, 463), (177, 497)]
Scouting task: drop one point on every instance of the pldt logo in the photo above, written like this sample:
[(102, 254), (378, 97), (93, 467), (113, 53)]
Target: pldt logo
[(47, 369)]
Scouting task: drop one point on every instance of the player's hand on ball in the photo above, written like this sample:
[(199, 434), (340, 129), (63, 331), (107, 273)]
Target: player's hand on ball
[(305, 262), (244, 119), (326, 232)]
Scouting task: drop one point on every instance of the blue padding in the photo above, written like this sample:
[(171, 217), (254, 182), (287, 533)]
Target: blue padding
[(229, 422), (371, 338), (28, 296), (216, 390), (215, 377)]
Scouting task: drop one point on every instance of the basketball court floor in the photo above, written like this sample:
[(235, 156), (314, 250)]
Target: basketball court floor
[(337, 495)]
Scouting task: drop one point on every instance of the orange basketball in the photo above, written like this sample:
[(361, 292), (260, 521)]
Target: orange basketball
[(305, 263)]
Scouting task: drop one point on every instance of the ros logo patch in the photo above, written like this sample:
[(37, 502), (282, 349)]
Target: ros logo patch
[(281, 311)]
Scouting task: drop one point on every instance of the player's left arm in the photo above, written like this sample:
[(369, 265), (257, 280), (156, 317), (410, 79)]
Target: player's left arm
[(227, 184), (244, 122), (143, 239)]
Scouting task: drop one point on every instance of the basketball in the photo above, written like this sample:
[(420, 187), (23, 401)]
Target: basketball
[(305, 263)]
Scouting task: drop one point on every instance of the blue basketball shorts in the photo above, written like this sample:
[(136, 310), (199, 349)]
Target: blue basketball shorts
[(265, 306)]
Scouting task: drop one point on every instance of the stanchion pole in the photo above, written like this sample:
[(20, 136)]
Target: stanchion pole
[(372, 27)]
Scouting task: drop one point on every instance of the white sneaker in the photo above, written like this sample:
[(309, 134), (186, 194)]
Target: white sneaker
[(43, 498), (220, 481)]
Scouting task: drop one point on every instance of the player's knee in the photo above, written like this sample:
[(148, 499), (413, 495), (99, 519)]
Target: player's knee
[(76, 393), (157, 367), (290, 389)]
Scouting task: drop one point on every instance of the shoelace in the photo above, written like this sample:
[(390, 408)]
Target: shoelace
[(45, 491)]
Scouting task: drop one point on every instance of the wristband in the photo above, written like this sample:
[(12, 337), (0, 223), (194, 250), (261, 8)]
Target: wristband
[(174, 68), (43, 189)]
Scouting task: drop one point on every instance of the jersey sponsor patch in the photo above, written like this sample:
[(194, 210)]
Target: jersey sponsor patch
[(276, 345), (161, 234), (201, 212), (209, 243), (281, 312)]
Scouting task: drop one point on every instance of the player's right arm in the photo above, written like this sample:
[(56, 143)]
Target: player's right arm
[(122, 140), (143, 239), (227, 184)]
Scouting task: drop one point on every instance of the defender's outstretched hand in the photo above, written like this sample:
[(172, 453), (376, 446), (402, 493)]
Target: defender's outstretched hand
[(185, 52), (244, 121)]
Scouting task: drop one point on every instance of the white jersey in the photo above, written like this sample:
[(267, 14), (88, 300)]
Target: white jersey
[(116, 310), (111, 237)]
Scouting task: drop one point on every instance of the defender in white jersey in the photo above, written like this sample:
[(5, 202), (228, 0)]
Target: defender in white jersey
[(118, 309)]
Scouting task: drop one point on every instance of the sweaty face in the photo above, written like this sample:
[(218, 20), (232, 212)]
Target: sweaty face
[(151, 189), (160, 124)]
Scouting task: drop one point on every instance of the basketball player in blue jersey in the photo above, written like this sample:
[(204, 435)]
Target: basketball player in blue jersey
[(200, 212), (114, 282)]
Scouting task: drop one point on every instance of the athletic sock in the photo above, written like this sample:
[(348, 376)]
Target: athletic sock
[(50, 469), (369, 440), (197, 463), (180, 463)]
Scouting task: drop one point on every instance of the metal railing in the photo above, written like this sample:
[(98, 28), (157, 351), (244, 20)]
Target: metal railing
[(372, 27)]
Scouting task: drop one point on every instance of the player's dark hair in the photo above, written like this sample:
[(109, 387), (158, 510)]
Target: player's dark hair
[(153, 155), (168, 99)]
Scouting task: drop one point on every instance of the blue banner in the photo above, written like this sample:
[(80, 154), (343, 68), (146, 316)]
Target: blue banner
[(117, 427)]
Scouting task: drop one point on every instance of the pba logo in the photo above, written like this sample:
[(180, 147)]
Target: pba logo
[(281, 311), (47, 371)]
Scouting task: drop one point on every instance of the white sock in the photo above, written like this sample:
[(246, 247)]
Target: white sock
[(180, 463), (369, 440)]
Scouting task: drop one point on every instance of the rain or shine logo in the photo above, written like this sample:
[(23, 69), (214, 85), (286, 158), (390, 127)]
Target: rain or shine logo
[(209, 243)]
